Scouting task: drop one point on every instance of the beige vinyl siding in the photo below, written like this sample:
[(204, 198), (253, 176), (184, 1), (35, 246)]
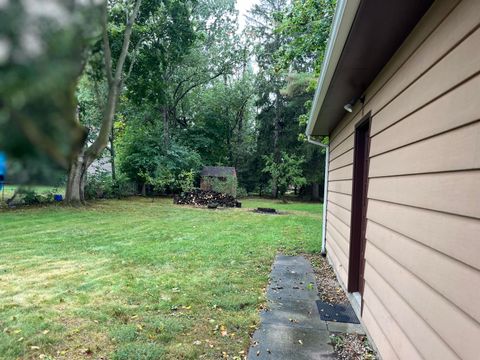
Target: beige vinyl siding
[(343, 173), (381, 341), (458, 149), (422, 272), (342, 148), (341, 186)]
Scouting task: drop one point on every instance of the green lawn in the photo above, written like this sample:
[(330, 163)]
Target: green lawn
[(136, 279)]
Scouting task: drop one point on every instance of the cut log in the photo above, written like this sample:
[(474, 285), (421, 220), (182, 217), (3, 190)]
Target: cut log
[(198, 197)]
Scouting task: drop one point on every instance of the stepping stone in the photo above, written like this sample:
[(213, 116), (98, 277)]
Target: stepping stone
[(291, 328), (297, 314), (276, 342)]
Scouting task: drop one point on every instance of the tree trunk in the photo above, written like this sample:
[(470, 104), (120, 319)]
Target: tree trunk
[(276, 138), (166, 131), (112, 155), (75, 193), (315, 191)]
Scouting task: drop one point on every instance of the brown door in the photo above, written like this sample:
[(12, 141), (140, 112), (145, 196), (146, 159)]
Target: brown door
[(359, 206)]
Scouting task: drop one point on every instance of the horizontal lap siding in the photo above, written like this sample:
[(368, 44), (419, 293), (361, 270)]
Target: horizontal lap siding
[(341, 186), (423, 231), (381, 341)]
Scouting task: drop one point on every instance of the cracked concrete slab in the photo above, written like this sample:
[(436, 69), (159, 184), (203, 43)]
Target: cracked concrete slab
[(276, 342), (291, 328)]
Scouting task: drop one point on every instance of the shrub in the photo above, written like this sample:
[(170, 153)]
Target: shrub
[(185, 180), (241, 193), (227, 186), (29, 196), (101, 186)]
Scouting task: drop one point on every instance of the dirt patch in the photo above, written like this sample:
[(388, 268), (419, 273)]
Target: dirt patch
[(352, 347), (329, 289)]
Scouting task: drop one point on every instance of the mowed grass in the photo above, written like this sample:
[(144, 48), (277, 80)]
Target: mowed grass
[(136, 279)]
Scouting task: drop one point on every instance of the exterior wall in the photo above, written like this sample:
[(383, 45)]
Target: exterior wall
[(422, 271)]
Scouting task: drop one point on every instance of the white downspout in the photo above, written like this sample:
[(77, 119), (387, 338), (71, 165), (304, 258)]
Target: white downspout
[(325, 192)]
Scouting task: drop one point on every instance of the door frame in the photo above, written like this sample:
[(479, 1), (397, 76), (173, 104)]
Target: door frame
[(361, 163)]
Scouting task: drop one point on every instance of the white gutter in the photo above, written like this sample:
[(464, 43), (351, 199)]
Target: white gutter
[(325, 192), (342, 22)]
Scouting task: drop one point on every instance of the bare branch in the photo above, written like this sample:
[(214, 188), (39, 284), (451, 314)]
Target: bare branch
[(114, 89), (190, 88), (133, 60), (126, 42), (106, 46)]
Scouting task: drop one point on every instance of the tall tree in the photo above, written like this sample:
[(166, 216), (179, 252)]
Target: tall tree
[(306, 24), (263, 20), (192, 56), (115, 76)]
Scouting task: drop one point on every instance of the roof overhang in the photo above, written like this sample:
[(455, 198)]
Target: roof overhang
[(364, 36)]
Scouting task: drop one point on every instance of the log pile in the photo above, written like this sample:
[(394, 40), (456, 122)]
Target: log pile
[(208, 198)]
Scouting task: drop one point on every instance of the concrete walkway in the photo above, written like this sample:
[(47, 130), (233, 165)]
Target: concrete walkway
[(291, 328)]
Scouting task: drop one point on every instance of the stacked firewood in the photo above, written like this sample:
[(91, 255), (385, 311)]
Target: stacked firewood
[(208, 198)]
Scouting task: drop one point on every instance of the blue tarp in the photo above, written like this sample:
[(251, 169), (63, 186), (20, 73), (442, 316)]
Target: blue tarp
[(3, 168)]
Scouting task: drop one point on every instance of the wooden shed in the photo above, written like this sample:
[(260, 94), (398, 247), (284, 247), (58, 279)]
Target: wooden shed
[(219, 178), (399, 97)]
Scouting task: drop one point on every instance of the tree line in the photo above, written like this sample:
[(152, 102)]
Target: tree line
[(163, 87)]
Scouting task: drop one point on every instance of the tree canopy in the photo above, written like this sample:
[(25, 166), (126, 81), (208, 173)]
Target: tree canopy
[(159, 88)]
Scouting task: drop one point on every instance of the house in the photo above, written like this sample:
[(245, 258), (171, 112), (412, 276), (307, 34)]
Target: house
[(399, 98), (219, 178)]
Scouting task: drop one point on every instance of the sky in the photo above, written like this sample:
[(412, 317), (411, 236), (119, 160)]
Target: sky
[(243, 6)]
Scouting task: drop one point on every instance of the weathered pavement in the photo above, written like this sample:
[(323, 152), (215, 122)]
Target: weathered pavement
[(291, 328)]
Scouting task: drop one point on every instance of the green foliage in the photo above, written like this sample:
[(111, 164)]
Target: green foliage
[(307, 26), (241, 193), (186, 180), (29, 196), (285, 173), (100, 185), (228, 185), (141, 151), (161, 181)]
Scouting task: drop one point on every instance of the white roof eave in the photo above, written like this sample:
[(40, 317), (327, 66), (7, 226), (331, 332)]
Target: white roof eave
[(344, 16)]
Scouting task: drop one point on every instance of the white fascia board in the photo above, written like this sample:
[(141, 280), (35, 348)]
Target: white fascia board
[(342, 22)]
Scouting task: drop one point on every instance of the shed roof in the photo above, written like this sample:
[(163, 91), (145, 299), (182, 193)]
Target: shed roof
[(218, 171), (365, 34)]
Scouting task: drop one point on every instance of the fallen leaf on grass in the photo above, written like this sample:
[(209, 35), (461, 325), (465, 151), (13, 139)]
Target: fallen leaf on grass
[(223, 331), (86, 351)]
